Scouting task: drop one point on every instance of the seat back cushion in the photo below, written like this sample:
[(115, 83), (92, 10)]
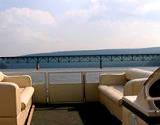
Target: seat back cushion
[(134, 73), (113, 79), (1, 76), (9, 100)]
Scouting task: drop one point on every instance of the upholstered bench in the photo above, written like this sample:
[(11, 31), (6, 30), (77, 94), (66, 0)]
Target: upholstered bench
[(113, 86), (16, 99)]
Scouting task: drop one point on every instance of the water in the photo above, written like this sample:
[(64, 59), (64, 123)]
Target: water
[(67, 75), (75, 69)]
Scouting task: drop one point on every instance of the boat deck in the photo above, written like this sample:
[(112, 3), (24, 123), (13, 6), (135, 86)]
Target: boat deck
[(74, 114)]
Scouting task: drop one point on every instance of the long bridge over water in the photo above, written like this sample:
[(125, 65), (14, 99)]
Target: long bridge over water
[(100, 60)]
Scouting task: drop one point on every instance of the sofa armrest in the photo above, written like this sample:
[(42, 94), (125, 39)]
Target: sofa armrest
[(134, 86), (26, 96), (113, 79), (10, 105), (22, 81)]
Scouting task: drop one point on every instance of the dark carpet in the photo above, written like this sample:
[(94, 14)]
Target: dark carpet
[(75, 114)]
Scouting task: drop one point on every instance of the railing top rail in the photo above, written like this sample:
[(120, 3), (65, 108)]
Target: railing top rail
[(56, 72)]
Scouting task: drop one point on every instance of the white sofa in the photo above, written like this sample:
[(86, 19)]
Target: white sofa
[(113, 86), (16, 99)]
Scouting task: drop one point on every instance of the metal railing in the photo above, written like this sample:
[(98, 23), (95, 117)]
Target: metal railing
[(101, 60)]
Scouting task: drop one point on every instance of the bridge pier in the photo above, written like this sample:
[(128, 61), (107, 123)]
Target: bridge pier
[(100, 62), (37, 66)]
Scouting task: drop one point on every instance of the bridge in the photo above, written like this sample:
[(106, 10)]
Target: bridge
[(99, 59)]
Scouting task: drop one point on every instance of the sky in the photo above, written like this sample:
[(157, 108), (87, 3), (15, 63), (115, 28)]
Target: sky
[(39, 26)]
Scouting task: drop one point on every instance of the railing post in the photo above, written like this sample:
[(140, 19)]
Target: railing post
[(46, 87), (83, 81)]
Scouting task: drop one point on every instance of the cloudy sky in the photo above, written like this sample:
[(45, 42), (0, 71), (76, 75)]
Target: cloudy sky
[(36, 26)]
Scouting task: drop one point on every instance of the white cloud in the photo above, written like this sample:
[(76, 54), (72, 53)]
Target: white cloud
[(105, 9), (21, 16), (128, 1), (79, 13), (68, 1), (103, 34), (25, 30), (134, 34), (116, 10), (109, 24), (101, 24), (96, 8), (150, 6)]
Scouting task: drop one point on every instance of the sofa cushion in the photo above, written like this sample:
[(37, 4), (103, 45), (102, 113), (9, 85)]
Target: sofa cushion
[(134, 73), (21, 80), (21, 90), (134, 86), (113, 79), (10, 102), (26, 96), (1, 76), (115, 93)]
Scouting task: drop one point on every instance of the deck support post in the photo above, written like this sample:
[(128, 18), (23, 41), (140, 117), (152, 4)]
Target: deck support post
[(46, 87), (83, 81)]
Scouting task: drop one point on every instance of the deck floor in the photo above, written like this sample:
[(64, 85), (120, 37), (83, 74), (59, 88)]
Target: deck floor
[(79, 114)]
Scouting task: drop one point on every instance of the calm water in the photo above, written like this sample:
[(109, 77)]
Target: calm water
[(67, 75), (75, 69)]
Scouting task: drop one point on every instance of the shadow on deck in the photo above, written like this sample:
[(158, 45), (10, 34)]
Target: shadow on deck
[(74, 114)]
